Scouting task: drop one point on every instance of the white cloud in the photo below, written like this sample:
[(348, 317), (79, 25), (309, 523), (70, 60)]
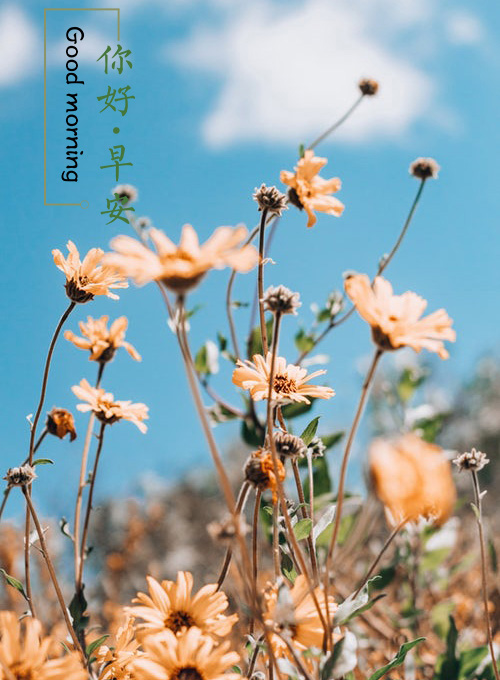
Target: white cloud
[(463, 28), (19, 45), (288, 70)]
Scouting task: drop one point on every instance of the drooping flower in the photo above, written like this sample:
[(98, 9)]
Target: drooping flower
[(295, 614), (60, 422), (310, 191), (106, 409), (187, 656), (85, 280), (101, 341), (412, 478), (396, 319), (26, 655), (181, 267), (368, 87), (172, 606), (114, 662), (290, 382), (259, 471)]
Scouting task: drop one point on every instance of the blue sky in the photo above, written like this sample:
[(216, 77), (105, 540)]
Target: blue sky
[(225, 92)]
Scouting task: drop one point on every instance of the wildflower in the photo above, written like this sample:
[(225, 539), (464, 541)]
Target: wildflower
[(471, 460), (295, 614), (289, 381), (316, 447), (270, 199), (281, 300), (259, 471), (85, 280), (188, 656), (126, 193), (101, 341), (424, 168), (115, 661), (412, 478), (368, 87), (395, 319), (287, 445), (106, 409), (309, 191), (25, 655), (182, 267), (171, 606), (20, 476), (60, 422)]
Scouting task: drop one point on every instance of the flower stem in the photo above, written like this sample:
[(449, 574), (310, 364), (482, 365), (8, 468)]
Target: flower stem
[(260, 283), (240, 505), (338, 123), (255, 548), (305, 515)]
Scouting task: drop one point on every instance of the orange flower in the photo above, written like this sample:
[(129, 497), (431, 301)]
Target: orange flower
[(310, 191), (412, 478), (289, 383), (115, 661), (259, 471), (396, 319), (181, 267), (101, 342), (188, 656), (172, 606), (85, 280), (60, 422), (25, 655), (294, 612), (106, 409)]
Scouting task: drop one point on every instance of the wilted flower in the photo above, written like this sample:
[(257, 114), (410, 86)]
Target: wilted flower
[(287, 445), (171, 606), (310, 191), (101, 341), (85, 280), (316, 447), (181, 267), (20, 476), (281, 300), (126, 193), (424, 168), (368, 86), (60, 422), (259, 471), (290, 382), (471, 460), (396, 319), (270, 199), (412, 478), (106, 409)]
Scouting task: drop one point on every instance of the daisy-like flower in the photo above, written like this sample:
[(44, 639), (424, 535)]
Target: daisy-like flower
[(114, 662), (101, 341), (85, 280), (311, 192), (188, 656), (26, 655), (290, 382), (106, 409), (294, 613), (181, 267), (412, 478), (172, 606), (396, 319)]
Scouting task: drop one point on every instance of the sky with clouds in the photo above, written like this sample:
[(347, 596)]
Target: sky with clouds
[(225, 92)]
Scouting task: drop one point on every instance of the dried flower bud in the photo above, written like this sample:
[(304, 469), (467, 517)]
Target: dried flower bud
[(20, 476), (424, 168), (60, 422), (126, 193), (471, 460), (288, 445), (227, 530), (270, 199), (259, 471), (316, 447), (368, 86), (279, 299)]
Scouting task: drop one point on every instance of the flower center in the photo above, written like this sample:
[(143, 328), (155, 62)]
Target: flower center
[(187, 673), (176, 621), (284, 385), (20, 673)]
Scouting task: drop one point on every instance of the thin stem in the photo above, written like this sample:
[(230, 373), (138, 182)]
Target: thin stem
[(484, 573), (240, 505), (53, 576), (260, 283), (305, 515), (253, 658), (338, 123), (255, 548), (276, 541), (27, 570)]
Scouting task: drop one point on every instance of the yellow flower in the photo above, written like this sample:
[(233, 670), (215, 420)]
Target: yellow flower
[(294, 613), (85, 280), (181, 267), (101, 341), (396, 319), (172, 606), (115, 662), (259, 471), (412, 478), (290, 382), (106, 409), (310, 191), (25, 655), (188, 656)]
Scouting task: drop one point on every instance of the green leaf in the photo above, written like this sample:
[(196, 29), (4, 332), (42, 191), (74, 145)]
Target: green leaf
[(450, 665), (288, 568), (236, 669), (255, 340), (95, 645), (321, 478), (302, 529), (293, 410), (493, 556), (14, 583), (301, 150), (77, 609), (398, 659), (249, 433), (470, 660), (42, 461), (330, 440), (191, 312), (386, 575), (310, 431), (354, 605), (205, 360), (433, 559), (304, 342)]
